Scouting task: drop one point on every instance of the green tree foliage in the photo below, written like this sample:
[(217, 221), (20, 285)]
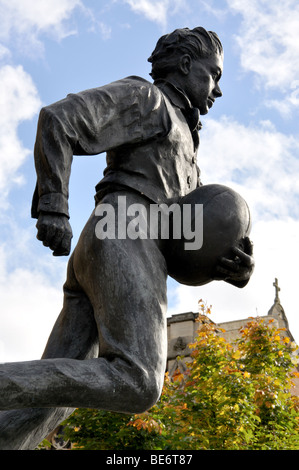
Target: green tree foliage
[(231, 396)]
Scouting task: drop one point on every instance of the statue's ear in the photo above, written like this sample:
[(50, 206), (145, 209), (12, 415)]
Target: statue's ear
[(184, 64)]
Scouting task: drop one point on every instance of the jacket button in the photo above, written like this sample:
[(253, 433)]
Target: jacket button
[(189, 180)]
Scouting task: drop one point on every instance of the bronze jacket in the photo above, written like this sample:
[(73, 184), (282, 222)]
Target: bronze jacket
[(148, 131)]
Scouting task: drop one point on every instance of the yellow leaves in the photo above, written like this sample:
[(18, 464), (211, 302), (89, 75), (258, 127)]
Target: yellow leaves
[(146, 423), (280, 353), (286, 340), (221, 340), (139, 424), (230, 369), (246, 375), (222, 331), (76, 446), (276, 338), (196, 376), (178, 376), (236, 354), (202, 306), (295, 403)]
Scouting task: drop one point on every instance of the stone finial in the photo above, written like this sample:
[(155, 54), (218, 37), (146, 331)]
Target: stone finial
[(277, 289)]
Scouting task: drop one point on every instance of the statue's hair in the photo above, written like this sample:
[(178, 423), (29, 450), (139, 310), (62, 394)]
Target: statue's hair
[(196, 42)]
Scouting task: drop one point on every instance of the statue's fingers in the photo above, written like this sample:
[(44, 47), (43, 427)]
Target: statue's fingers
[(233, 265), (64, 247), (41, 231), (248, 248), (244, 257)]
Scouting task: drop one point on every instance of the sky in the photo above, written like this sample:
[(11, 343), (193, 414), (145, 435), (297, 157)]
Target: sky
[(249, 141)]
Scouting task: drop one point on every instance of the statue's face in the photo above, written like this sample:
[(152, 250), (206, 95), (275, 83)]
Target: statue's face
[(202, 82)]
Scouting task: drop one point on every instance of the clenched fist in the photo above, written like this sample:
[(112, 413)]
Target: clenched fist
[(54, 231)]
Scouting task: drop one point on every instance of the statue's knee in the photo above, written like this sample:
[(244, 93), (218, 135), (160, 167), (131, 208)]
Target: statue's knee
[(147, 396)]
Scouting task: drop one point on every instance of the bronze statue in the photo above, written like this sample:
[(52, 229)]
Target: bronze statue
[(108, 347)]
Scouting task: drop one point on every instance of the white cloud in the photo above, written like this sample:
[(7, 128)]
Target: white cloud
[(29, 307), (104, 29), (268, 44), (259, 161), (19, 101), (30, 295), (215, 8), (157, 10), (288, 103), (41, 16), (4, 53), (18, 96), (24, 21)]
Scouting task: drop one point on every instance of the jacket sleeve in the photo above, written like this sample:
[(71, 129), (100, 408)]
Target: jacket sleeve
[(88, 123)]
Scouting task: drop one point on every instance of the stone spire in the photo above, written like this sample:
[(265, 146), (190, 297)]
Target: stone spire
[(277, 311)]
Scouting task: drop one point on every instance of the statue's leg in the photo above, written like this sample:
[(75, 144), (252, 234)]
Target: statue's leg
[(74, 335), (126, 286)]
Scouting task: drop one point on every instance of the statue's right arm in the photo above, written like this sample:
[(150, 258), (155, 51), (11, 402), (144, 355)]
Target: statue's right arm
[(53, 154), (72, 126)]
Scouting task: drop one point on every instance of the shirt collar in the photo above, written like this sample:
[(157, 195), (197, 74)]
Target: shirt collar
[(179, 99)]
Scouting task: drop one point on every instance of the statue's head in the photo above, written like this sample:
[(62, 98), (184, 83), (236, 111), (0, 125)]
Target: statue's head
[(197, 42), (192, 60)]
